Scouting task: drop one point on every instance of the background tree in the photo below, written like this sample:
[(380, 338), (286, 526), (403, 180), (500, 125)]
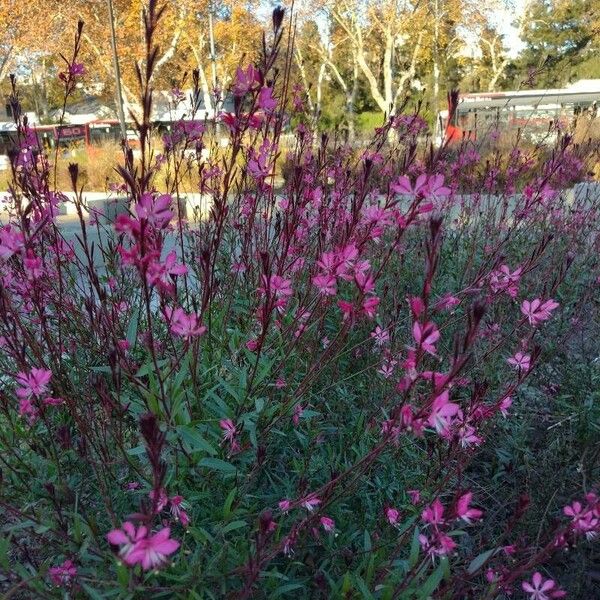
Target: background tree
[(386, 38), (562, 40)]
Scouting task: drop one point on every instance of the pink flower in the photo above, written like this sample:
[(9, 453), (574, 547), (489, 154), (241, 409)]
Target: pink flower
[(381, 336), (442, 411), (586, 519), (259, 164), (504, 280), (155, 209), (27, 409), (403, 186), (229, 429), (520, 361), (436, 188), (126, 224), (326, 284), (491, 575), (347, 309), (369, 306), (126, 538), (392, 515), (183, 324), (77, 69), (284, 505), (178, 511), (245, 80), (467, 436), (414, 495), (537, 311), (34, 383), (426, 336), (434, 513), (505, 404), (288, 544), (542, 589), (298, 412), (437, 379), (327, 523), (464, 511), (446, 302), (33, 265), (63, 574), (574, 510), (387, 367), (440, 544), (152, 551), (11, 241), (159, 500), (49, 401), (310, 502), (417, 306), (161, 274), (282, 287), (265, 99)]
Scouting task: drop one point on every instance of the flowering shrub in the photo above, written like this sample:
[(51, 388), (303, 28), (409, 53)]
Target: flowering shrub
[(298, 395)]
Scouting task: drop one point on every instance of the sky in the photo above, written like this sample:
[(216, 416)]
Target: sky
[(505, 19)]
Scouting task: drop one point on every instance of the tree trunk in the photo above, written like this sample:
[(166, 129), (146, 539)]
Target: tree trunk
[(319, 91), (300, 64), (350, 102), (436, 58), (204, 85), (4, 62)]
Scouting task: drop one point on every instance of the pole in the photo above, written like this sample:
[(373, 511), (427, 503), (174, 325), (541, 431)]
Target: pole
[(213, 64), (213, 54), (117, 68)]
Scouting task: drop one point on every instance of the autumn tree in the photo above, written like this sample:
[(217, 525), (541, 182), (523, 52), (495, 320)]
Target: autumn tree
[(207, 35)]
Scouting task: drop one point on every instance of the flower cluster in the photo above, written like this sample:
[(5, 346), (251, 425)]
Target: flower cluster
[(437, 542)]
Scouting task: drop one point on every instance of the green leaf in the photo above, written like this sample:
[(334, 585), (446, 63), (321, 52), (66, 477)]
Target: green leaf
[(216, 464), (195, 441), (4, 546), (480, 560), (122, 575), (22, 525), (434, 580), (132, 328), (414, 548), (201, 535), (228, 503), (232, 391), (347, 584), (101, 369), (149, 367), (137, 451), (95, 595), (284, 589), (233, 526), (362, 586), (367, 541)]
